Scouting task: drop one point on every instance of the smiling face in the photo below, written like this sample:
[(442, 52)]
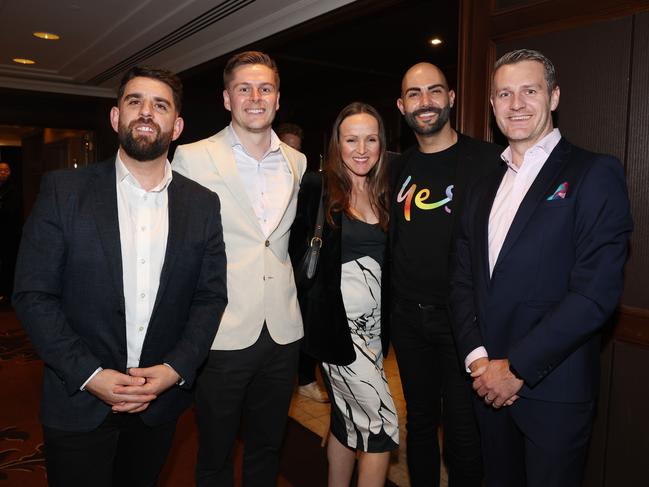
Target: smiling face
[(146, 120), (360, 144), (522, 103), (252, 97), (425, 99)]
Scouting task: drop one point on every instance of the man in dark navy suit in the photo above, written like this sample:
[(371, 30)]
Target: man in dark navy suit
[(120, 284), (538, 271)]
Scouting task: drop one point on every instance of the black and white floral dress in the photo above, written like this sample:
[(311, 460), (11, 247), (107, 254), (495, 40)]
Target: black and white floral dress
[(363, 415)]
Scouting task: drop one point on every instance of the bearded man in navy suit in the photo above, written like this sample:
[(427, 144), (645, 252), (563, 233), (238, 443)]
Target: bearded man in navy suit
[(537, 272), (120, 284)]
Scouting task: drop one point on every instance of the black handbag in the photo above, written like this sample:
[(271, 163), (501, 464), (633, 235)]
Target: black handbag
[(309, 262)]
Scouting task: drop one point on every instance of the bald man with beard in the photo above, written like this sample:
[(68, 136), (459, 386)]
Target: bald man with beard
[(428, 182)]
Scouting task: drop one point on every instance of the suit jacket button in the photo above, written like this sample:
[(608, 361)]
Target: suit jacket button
[(267, 243)]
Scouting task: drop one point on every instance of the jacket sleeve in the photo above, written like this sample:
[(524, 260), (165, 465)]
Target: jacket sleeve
[(601, 231), (461, 298), (208, 301), (40, 270), (302, 228)]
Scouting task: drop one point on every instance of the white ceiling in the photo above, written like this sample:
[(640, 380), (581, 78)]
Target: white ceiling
[(102, 39)]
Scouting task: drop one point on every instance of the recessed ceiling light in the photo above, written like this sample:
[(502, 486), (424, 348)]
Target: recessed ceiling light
[(435, 41), (21, 60), (48, 36)]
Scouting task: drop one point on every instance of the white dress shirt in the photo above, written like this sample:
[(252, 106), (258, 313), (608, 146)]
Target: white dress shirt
[(143, 229), (513, 188), (268, 182)]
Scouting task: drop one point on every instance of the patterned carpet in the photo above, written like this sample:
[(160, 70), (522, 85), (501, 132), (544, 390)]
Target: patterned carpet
[(21, 456), (302, 463)]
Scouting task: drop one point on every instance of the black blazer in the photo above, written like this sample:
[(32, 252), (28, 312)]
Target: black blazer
[(69, 291), (326, 333), (476, 159)]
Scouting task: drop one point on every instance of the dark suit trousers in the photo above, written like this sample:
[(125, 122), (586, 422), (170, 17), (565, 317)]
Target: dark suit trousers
[(535, 443), (437, 391), (253, 387), (121, 451), (306, 369)]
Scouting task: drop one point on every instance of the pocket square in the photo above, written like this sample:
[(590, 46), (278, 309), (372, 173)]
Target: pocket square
[(560, 192)]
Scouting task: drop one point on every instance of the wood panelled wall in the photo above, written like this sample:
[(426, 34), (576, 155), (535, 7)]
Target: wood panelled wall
[(637, 164), (601, 51)]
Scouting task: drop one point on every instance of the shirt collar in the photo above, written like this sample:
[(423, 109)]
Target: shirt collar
[(123, 173), (546, 144), (234, 140)]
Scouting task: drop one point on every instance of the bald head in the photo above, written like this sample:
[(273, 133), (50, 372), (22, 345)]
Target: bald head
[(422, 74), (425, 100)]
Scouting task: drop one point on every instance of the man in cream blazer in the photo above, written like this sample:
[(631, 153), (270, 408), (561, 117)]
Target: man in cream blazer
[(251, 368)]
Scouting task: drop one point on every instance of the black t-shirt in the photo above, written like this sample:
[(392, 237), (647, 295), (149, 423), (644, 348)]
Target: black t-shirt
[(423, 224)]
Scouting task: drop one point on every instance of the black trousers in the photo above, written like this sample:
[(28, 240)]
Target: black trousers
[(252, 386), (437, 391), (306, 369), (535, 443), (121, 451)]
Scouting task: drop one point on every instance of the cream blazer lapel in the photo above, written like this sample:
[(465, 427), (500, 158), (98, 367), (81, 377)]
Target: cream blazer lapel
[(296, 177), (222, 157)]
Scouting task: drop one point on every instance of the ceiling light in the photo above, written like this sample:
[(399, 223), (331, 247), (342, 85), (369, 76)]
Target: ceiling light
[(435, 41), (48, 36), (20, 60)]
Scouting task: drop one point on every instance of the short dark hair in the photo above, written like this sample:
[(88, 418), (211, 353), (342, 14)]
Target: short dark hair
[(248, 58), (289, 128), (163, 75), (513, 57)]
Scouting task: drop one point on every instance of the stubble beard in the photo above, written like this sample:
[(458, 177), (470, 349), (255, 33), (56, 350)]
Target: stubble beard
[(443, 115), (140, 148)]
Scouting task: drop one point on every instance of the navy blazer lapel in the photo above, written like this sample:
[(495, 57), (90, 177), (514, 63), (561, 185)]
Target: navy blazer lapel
[(464, 163), (541, 187), (177, 199), (106, 217), (460, 179), (484, 210)]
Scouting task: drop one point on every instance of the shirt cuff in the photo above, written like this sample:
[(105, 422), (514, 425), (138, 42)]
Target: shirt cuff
[(480, 352), (83, 386), (181, 381)]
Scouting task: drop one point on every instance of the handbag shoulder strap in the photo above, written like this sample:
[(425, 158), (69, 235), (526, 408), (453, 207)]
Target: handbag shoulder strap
[(317, 231)]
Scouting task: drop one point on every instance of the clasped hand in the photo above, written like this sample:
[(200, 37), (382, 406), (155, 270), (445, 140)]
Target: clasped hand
[(494, 381), (132, 392)]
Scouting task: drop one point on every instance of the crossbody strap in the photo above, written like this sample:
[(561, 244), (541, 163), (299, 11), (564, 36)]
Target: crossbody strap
[(317, 231)]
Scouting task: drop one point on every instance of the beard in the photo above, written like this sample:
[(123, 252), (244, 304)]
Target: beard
[(141, 148), (443, 115)]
